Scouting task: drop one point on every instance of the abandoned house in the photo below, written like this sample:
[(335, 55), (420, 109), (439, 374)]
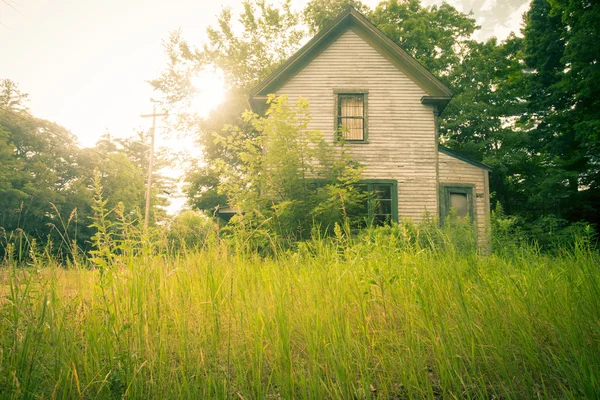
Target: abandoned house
[(387, 105)]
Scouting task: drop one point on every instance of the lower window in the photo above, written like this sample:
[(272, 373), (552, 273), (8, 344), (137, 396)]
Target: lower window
[(379, 205), (456, 199)]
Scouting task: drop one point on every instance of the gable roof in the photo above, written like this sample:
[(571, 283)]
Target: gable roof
[(464, 158), (437, 93)]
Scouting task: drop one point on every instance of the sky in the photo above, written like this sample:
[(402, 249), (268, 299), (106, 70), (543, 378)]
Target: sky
[(85, 64)]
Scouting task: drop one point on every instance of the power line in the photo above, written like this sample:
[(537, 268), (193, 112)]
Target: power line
[(30, 119), (6, 26), (14, 7)]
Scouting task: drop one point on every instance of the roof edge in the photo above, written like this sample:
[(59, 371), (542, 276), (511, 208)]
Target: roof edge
[(464, 158), (310, 45), (440, 102), (348, 17)]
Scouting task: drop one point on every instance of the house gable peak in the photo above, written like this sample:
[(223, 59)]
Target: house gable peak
[(348, 19)]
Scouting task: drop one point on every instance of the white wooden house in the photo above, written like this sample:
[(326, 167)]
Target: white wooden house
[(388, 105)]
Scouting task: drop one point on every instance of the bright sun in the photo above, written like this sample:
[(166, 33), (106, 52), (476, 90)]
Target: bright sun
[(210, 92)]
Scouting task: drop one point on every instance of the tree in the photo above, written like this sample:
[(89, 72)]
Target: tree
[(436, 36), (288, 178), (268, 36), (11, 98), (479, 121), (318, 14), (562, 116), (38, 173), (582, 74), (45, 178), (122, 164)]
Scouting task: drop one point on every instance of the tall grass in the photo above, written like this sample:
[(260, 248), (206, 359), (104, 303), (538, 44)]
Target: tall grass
[(373, 316)]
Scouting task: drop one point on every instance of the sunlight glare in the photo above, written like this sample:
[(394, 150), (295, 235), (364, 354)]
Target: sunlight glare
[(210, 92)]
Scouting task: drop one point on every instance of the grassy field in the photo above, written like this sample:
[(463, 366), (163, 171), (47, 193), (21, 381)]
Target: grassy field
[(334, 319)]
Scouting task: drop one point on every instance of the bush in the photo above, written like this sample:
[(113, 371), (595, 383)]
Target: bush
[(190, 230), (548, 233)]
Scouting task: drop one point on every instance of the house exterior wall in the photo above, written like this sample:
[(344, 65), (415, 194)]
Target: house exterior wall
[(402, 143), (455, 171), (401, 131)]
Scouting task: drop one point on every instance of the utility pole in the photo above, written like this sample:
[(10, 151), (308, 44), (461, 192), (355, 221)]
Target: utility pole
[(151, 162)]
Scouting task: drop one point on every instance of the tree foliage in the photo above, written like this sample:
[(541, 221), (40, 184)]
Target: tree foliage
[(479, 121), (38, 171), (46, 178), (288, 178), (265, 35), (318, 14), (435, 36), (562, 116)]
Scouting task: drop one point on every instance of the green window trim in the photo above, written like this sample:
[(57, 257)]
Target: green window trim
[(337, 114), (447, 189), (393, 184)]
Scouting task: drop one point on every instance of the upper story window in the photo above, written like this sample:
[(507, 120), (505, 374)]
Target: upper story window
[(351, 118)]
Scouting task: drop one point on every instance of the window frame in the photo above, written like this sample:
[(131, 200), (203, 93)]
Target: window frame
[(394, 196), (446, 189), (336, 114)]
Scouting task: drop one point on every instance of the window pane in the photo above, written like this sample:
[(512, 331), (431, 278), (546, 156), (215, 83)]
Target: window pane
[(352, 128), (351, 116), (377, 207), (458, 201), (381, 202), (351, 106), (384, 191), (383, 207)]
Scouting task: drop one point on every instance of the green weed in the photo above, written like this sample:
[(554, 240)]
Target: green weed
[(378, 315)]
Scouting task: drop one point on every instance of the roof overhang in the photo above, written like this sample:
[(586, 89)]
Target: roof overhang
[(438, 102), (352, 19)]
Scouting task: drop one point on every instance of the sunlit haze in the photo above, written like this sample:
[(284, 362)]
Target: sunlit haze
[(210, 92), (86, 64)]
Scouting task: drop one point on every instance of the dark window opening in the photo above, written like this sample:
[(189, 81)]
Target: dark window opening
[(379, 204)]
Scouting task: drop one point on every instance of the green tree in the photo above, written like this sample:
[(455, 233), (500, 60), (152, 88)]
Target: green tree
[(122, 164), (436, 36), (582, 60), (479, 121), (563, 117), (38, 172), (269, 34), (11, 98), (318, 14), (288, 177)]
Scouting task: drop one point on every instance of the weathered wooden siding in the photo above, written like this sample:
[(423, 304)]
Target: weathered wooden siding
[(452, 170), (402, 143)]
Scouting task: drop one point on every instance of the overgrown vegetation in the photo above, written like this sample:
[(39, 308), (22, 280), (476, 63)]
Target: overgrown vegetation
[(401, 311), (46, 178), (406, 311), (527, 106), (289, 181), (291, 301)]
